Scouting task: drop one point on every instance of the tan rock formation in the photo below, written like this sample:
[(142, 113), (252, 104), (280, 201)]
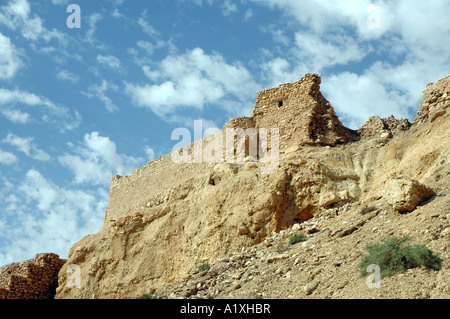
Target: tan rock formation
[(404, 194), (384, 129), (166, 219)]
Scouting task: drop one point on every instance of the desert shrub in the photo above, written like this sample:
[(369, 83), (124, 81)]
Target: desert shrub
[(204, 267), (297, 238), (150, 296), (392, 256)]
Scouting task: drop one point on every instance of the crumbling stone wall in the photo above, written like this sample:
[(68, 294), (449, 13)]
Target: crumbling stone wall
[(378, 127), (300, 112), (435, 101), (31, 279), (241, 122), (148, 186)]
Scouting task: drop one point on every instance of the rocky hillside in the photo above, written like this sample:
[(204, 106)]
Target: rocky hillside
[(393, 182), (342, 189), (326, 264)]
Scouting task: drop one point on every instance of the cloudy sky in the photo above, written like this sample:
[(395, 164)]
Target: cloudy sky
[(79, 105)]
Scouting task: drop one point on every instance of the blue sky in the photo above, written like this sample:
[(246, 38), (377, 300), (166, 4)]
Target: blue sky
[(79, 105)]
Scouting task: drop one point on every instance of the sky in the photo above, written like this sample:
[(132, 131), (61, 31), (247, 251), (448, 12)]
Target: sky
[(87, 94)]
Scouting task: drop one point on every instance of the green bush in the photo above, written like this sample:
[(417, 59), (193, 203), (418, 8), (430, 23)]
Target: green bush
[(149, 296), (205, 267), (392, 256), (297, 238)]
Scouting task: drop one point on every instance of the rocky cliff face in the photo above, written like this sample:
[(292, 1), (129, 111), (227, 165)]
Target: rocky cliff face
[(341, 187)]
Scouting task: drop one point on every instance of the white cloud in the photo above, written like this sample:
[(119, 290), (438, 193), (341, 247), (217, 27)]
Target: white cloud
[(381, 90), (10, 62), (25, 145), (116, 13), (8, 96), (192, 80), (375, 58), (149, 72), (228, 7), (143, 60), (60, 217), (16, 116), (248, 14), (99, 91), (97, 159), (146, 46), (59, 115), (279, 70), (320, 53), (150, 153), (93, 19), (321, 16), (200, 2), (7, 158), (109, 61), (16, 10), (39, 190), (279, 35), (60, 2), (146, 27), (17, 15), (66, 75)]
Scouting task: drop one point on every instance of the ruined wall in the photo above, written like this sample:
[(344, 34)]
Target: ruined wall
[(301, 113), (153, 184), (383, 128), (241, 122), (32, 279), (435, 101), (148, 186), (298, 110)]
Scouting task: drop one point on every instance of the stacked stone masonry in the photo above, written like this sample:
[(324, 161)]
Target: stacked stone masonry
[(435, 102), (301, 113), (32, 279)]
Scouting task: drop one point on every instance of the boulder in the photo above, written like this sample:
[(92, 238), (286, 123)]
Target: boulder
[(405, 194), (328, 199)]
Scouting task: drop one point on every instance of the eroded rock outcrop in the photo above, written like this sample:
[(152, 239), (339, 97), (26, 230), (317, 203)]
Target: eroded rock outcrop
[(384, 129), (167, 218)]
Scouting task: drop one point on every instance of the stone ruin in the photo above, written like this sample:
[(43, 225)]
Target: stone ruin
[(31, 279), (300, 112)]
